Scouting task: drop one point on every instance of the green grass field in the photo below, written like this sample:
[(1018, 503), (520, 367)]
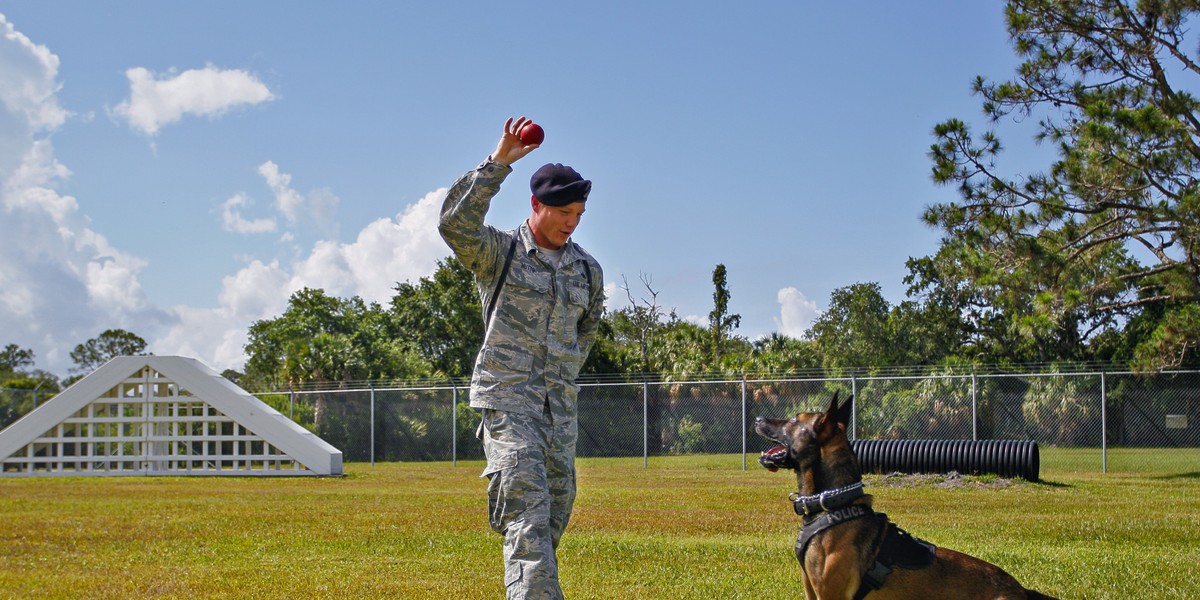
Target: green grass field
[(694, 527)]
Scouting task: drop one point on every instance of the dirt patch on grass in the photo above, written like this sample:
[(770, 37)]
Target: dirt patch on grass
[(951, 480)]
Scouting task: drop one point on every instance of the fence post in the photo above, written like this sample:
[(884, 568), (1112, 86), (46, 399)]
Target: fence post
[(854, 407), (453, 425), (645, 425), (1103, 423), (743, 421), (974, 410), (372, 386), (292, 404)]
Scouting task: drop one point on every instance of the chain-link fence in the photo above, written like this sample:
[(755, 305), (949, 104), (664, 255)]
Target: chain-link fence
[(1082, 421)]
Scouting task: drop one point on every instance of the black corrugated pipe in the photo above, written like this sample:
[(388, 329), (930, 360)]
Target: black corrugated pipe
[(1006, 458)]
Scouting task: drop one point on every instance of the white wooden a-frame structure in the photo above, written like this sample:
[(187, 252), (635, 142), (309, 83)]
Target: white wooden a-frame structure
[(160, 415)]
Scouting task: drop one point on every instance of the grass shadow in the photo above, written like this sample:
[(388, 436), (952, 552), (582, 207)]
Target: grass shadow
[(1052, 484), (1192, 475)]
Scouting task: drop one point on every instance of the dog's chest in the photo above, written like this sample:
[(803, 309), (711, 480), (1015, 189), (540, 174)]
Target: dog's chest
[(897, 549), (826, 520)]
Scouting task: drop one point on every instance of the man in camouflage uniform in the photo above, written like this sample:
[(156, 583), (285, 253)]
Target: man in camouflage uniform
[(543, 298)]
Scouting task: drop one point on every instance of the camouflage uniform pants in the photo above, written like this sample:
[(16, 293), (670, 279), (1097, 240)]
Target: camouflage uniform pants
[(531, 489)]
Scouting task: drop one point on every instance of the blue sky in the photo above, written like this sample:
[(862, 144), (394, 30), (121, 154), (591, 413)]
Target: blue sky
[(178, 169)]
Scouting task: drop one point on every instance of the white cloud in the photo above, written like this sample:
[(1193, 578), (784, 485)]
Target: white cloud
[(154, 102), (288, 201), (30, 75), (318, 209), (45, 231), (111, 280), (796, 312), (614, 297), (327, 268), (214, 336), (28, 107), (386, 252), (254, 291), (232, 220), (26, 187)]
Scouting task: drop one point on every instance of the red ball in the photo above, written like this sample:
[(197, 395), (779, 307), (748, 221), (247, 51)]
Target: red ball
[(531, 133)]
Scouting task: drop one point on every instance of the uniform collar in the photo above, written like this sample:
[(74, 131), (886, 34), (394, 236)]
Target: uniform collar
[(570, 253)]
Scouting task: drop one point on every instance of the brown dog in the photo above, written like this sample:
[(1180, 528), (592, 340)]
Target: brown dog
[(846, 550)]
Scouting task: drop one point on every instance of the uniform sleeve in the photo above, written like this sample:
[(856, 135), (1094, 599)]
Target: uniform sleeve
[(461, 223)]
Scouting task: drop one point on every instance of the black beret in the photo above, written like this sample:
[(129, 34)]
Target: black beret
[(559, 185)]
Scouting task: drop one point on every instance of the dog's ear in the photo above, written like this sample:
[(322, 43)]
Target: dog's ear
[(843, 413), (832, 404), (829, 417), (836, 415)]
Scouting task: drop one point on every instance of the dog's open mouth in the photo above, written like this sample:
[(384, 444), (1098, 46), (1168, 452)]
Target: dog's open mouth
[(775, 459)]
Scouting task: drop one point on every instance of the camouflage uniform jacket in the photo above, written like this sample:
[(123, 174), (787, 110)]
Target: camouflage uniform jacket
[(545, 319)]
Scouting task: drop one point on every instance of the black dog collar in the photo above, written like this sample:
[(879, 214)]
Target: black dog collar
[(806, 506)]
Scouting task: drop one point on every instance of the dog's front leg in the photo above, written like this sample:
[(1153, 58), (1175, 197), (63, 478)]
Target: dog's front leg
[(830, 576), (809, 592)]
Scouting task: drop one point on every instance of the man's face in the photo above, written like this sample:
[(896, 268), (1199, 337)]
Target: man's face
[(553, 225)]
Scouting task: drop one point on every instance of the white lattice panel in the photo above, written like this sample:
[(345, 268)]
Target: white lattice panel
[(148, 424)]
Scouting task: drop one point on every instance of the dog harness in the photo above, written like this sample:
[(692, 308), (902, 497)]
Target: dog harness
[(898, 549)]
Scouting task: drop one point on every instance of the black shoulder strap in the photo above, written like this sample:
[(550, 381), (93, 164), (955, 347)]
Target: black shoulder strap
[(512, 248), (587, 269)]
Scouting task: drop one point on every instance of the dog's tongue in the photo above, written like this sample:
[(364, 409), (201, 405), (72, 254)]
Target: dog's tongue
[(772, 456)]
